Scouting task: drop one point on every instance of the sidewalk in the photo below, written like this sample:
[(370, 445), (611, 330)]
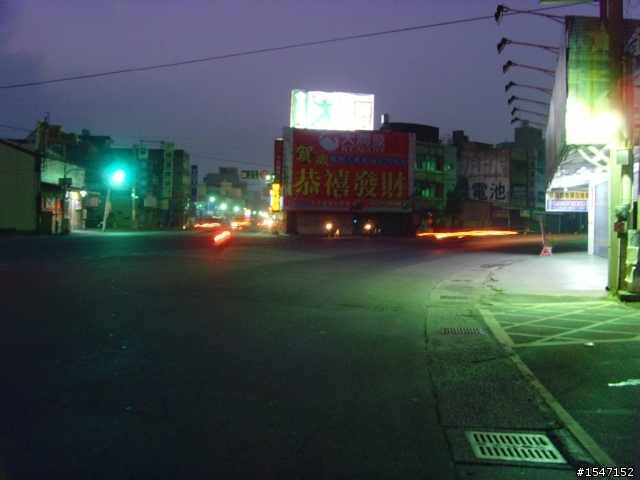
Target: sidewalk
[(575, 274), (483, 384)]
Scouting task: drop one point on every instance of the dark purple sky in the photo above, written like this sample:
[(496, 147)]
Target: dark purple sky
[(227, 112)]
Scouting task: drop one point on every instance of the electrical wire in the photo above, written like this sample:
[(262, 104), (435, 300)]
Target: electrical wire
[(16, 128), (266, 50)]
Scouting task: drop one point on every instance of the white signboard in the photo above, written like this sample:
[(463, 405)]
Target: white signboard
[(488, 174), (331, 111), (569, 201)]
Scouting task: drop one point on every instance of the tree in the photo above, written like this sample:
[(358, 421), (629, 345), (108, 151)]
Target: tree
[(456, 200)]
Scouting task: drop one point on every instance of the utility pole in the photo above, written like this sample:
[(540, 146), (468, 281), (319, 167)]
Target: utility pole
[(41, 152)]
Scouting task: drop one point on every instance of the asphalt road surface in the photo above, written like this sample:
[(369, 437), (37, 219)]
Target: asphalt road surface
[(162, 356)]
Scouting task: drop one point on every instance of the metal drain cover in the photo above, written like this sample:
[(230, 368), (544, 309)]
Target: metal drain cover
[(518, 447), (454, 297), (466, 331)]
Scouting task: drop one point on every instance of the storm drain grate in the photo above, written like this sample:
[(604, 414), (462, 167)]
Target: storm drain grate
[(454, 297), (519, 447), (465, 331)]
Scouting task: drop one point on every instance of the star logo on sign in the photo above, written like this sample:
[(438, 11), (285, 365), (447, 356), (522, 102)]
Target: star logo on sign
[(324, 106)]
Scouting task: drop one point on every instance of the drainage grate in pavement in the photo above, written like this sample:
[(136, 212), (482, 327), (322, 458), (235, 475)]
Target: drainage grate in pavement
[(454, 297), (465, 331), (518, 447)]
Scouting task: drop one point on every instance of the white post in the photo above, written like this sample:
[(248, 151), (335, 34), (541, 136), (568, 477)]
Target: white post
[(106, 210)]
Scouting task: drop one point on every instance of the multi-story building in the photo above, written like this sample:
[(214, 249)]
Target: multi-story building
[(57, 203), (156, 190), (507, 184), (434, 174), (20, 209), (227, 175)]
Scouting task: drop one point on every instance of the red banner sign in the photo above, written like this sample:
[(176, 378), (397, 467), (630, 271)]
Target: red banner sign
[(347, 170)]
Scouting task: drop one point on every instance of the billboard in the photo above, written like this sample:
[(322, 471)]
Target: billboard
[(367, 171), (331, 111), (488, 174), (580, 111), (588, 119)]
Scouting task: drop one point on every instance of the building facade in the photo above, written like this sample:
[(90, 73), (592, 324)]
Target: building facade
[(19, 189)]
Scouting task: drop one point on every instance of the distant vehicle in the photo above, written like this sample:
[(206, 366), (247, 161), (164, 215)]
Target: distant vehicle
[(240, 222), (211, 222), (370, 229), (331, 229)]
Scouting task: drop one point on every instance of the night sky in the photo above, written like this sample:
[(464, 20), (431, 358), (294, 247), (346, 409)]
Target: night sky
[(227, 111)]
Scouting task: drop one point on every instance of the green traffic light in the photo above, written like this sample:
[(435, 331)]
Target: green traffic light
[(118, 176)]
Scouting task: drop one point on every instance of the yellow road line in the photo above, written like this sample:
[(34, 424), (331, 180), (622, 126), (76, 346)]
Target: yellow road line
[(601, 458), (496, 329)]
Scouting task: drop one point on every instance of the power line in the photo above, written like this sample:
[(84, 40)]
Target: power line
[(16, 128), (264, 50)]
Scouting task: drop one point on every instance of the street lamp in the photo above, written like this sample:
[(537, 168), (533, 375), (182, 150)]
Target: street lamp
[(510, 64), (513, 112), (505, 41), (510, 85), (516, 119), (502, 9), (513, 98)]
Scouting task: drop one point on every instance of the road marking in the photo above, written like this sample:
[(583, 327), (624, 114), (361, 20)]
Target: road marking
[(631, 381), (574, 427), (496, 329), (570, 323)]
